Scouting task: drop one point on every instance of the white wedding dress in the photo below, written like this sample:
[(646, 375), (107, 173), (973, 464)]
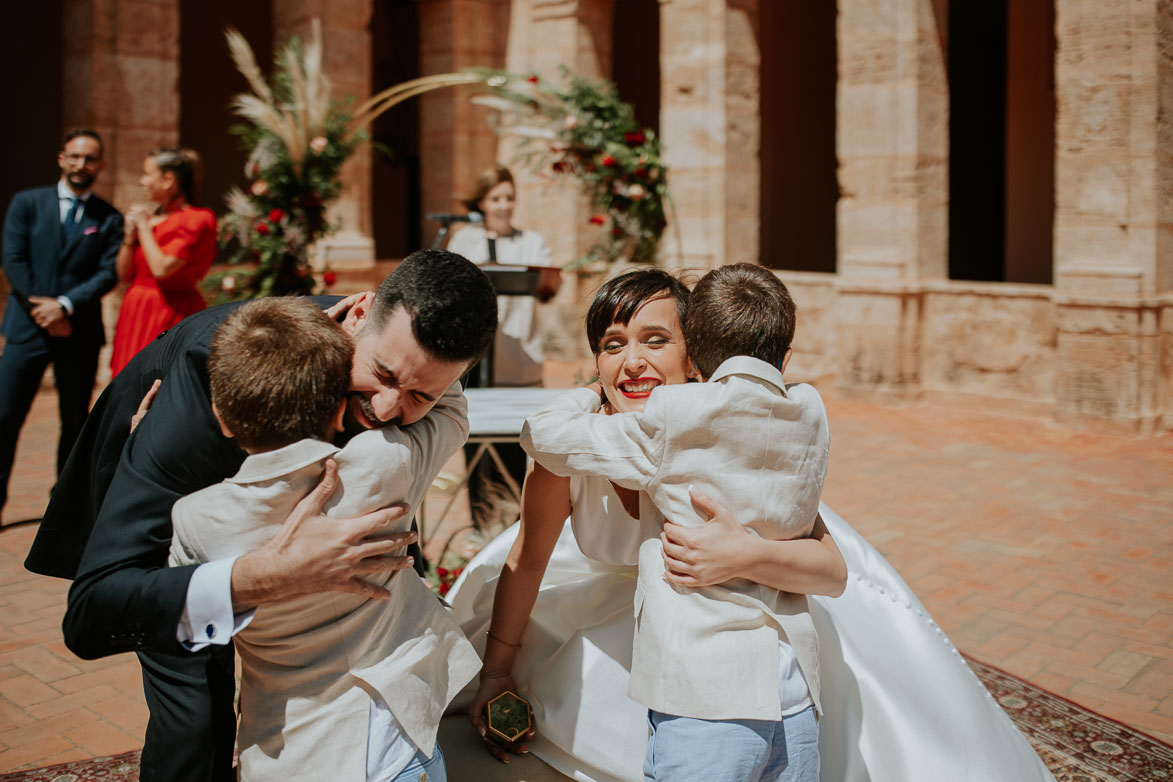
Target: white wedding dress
[(900, 704)]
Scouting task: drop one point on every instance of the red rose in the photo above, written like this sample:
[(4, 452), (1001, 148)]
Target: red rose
[(442, 572), (329, 278), (635, 139), (641, 171), (598, 219), (444, 587), (532, 79), (263, 228), (607, 160), (617, 232), (276, 215)]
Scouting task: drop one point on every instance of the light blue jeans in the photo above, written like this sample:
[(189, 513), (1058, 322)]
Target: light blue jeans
[(682, 749), (424, 769)]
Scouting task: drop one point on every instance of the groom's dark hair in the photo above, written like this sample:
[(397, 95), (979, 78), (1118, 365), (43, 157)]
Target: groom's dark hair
[(452, 304)]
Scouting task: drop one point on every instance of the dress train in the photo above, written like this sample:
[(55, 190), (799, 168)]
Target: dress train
[(900, 703)]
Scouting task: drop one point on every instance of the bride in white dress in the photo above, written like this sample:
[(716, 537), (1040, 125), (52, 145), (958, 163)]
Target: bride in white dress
[(900, 704)]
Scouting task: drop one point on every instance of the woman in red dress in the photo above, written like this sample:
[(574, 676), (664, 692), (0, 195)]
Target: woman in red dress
[(167, 250)]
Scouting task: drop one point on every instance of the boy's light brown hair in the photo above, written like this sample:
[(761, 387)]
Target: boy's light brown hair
[(279, 369), (738, 310)]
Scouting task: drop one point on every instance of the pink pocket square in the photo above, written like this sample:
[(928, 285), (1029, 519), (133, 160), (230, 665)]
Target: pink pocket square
[(90, 229)]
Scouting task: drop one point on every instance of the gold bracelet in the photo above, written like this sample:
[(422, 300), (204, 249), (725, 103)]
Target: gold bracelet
[(500, 640)]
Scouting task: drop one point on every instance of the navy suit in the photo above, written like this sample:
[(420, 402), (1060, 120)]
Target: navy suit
[(39, 261), (108, 527)]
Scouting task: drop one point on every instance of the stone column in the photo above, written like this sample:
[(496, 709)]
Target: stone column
[(1113, 211), (893, 146), (347, 44), (456, 141), (543, 36), (121, 77), (710, 88)]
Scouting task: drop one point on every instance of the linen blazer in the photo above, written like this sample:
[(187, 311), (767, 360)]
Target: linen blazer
[(760, 448), (308, 662), (38, 262), (108, 523)]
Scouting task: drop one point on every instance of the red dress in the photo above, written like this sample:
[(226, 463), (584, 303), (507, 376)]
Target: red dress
[(152, 305)]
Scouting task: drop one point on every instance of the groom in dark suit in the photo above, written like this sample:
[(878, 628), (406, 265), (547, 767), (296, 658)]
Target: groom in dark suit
[(60, 245), (108, 525)]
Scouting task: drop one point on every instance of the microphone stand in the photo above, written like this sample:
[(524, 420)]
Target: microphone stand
[(439, 240)]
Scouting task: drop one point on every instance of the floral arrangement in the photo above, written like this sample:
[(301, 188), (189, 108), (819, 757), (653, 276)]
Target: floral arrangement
[(298, 139), (582, 129), (442, 574)]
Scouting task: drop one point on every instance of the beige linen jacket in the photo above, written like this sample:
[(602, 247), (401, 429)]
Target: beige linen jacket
[(758, 447), (310, 664)]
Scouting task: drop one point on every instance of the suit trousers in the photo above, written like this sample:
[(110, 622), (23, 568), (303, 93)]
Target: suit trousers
[(22, 366), (192, 728)]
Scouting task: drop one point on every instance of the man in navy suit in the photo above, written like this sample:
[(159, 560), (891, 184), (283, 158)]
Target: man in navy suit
[(60, 245)]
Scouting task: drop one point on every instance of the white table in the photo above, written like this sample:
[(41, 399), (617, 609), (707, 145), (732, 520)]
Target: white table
[(495, 415)]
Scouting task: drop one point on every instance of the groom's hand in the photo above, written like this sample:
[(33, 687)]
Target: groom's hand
[(315, 553)]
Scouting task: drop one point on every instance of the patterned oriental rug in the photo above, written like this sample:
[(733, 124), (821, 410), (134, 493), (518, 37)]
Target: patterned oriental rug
[(1076, 744)]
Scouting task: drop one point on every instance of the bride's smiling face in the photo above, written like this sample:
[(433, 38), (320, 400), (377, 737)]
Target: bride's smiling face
[(646, 352)]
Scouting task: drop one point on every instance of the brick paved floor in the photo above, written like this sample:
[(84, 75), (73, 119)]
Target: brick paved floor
[(1041, 550)]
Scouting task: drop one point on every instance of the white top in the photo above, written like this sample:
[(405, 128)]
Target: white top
[(758, 447), (316, 668), (517, 349)]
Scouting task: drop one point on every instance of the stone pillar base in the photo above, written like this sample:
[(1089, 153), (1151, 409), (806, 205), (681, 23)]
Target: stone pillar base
[(345, 250), (879, 346), (1109, 365)]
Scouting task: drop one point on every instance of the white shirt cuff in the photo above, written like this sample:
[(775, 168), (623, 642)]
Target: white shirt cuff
[(207, 614), (66, 304)]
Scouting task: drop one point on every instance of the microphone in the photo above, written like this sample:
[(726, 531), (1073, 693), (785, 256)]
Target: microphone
[(447, 218)]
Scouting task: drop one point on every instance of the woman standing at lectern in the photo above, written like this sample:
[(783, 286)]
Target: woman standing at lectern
[(517, 349)]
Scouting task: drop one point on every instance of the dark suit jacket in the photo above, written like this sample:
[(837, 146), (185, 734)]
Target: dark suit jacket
[(38, 263), (108, 524)]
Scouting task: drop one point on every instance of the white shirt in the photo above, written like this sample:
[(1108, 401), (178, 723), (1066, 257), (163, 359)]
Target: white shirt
[(65, 197), (759, 448), (517, 348)]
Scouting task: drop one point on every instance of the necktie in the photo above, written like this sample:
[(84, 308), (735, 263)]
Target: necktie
[(71, 218)]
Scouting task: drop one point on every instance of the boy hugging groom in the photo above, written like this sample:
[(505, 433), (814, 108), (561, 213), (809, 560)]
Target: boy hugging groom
[(333, 686)]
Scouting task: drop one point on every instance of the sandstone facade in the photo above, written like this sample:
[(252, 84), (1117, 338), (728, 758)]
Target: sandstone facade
[(1092, 346)]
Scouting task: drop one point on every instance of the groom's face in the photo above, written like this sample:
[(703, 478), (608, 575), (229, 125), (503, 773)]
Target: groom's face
[(393, 379)]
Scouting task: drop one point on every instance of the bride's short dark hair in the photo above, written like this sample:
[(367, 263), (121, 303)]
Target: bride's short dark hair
[(619, 298)]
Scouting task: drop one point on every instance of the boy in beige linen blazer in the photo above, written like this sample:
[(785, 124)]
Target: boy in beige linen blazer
[(320, 672), (756, 445)]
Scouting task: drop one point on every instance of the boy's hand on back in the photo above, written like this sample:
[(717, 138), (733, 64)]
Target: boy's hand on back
[(705, 555), (312, 552)]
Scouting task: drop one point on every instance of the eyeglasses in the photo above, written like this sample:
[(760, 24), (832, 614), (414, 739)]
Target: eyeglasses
[(88, 160)]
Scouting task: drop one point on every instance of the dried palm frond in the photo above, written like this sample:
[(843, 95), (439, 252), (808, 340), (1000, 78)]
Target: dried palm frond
[(317, 95), (241, 204), (529, 131), (246, 63), (261, 113), (297, 113), (380, 102)]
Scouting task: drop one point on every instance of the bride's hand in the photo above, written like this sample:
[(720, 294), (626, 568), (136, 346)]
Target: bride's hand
[(491, 686), (336, 311), (710, 554)]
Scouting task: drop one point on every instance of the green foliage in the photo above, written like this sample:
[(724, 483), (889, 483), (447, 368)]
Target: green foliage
[(583, 130)]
